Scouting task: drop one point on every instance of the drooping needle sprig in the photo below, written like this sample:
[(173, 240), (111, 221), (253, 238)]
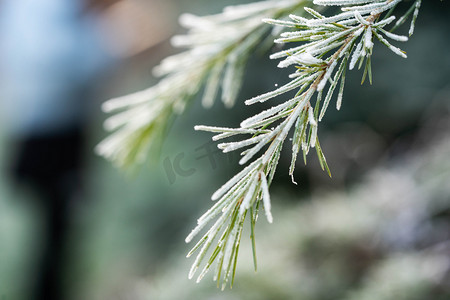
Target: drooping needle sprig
[(328, 47)]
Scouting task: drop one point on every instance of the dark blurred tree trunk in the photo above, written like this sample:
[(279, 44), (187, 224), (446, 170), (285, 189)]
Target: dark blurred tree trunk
[(51, 166)]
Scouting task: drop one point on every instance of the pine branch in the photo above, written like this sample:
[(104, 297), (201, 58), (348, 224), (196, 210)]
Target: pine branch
[(218, 48), (331, 45)]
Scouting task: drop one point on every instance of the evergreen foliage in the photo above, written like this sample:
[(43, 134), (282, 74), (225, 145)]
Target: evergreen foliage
[(326, 46)]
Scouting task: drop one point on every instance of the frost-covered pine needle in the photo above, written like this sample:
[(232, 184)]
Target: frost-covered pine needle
[(329, 45)]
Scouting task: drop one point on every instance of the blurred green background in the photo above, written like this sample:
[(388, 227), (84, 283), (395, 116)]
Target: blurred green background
[(379, 229)]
